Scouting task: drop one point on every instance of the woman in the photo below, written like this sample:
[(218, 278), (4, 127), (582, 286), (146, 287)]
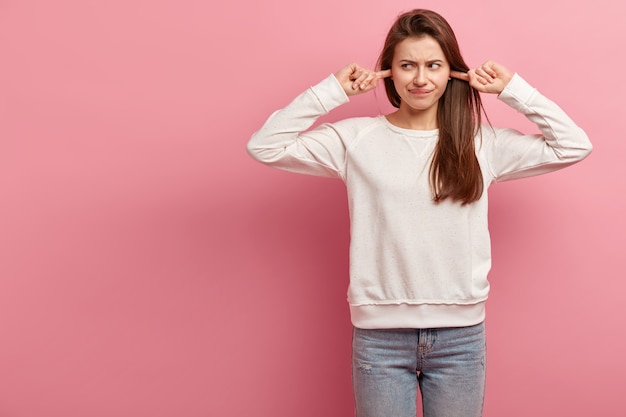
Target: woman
[(416, 180)]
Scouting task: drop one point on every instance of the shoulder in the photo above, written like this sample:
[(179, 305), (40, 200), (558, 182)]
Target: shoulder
[(361, 122), (352, 129), (355, 126)]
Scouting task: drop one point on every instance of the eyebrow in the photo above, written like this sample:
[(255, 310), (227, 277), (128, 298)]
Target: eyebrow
[(431, 61)]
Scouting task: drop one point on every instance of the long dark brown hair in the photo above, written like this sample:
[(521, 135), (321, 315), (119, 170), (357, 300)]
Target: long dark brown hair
[(454, 170)]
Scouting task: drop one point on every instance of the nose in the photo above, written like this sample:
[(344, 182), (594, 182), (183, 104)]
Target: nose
[(419, 79)]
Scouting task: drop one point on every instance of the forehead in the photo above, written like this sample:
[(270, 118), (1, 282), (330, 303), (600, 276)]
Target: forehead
[(417, 49)]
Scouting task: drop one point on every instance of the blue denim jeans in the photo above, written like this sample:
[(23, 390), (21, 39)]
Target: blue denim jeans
[(446, 365)]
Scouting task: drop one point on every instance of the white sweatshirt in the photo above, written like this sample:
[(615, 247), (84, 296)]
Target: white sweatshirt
[(413, 263)]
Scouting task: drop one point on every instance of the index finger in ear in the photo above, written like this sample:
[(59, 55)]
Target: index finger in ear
[(384, 74), (459, 75)]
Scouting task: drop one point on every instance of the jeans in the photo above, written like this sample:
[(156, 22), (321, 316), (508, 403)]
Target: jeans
[(447, 365)]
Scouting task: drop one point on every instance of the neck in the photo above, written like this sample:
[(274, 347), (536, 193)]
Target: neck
[(408, 118)]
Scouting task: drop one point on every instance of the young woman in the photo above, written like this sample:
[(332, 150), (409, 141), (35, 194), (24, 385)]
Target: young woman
[(416, 181)]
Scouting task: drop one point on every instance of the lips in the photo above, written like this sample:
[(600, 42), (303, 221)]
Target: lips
[(419, 91)]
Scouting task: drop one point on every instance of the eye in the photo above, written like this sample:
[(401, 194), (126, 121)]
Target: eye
[(435, 65), (406, 65)]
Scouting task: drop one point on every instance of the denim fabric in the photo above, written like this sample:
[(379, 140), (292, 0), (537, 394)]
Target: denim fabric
[(446, 365)]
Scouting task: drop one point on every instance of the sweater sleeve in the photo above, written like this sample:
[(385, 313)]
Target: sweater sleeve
[(284, 141), (561, 143)]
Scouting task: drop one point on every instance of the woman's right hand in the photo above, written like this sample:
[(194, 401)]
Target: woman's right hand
[(490, 77), (356, 80)]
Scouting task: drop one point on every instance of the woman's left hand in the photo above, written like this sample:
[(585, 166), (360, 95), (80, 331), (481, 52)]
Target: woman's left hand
[(490, 77)]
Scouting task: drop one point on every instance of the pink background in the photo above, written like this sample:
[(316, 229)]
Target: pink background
[(149, 267)]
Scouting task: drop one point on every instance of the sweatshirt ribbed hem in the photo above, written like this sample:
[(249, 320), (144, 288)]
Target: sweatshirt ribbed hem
[(416, 316)]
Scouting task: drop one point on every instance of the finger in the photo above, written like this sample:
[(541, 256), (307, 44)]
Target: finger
[(383, 74), (460, 75), (355, 74), (361, 80), (367, 78), (357, 77), (488, 68), (483, 77)]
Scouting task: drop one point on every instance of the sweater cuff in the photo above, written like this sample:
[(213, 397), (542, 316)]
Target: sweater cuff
[(330, 93), (517, 93)]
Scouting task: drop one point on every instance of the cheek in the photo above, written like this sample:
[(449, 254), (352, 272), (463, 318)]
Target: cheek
[(443, 78), (442, 83), (397, 84), (400, 81)]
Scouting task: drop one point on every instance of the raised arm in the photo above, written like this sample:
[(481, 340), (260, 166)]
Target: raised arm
[(512, 154), (285, 141)]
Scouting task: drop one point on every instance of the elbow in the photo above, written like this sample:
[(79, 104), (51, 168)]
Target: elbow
[(253, 150), (263, 154), (574, 152), (256, 150), (581, 149), (586, 149)]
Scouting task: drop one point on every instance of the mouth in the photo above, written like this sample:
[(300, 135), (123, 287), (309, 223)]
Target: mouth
[(420, 91)]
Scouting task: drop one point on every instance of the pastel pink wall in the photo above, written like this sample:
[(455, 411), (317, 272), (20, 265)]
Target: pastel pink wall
[(149, 267)]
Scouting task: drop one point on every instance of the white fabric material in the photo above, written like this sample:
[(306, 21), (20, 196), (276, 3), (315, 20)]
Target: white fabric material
[(413, 263)]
